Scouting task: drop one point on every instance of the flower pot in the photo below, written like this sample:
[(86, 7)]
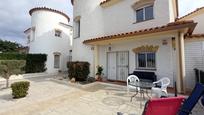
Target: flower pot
[(98, 78)]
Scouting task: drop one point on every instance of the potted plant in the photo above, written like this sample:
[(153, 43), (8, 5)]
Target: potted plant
[(99, 73)]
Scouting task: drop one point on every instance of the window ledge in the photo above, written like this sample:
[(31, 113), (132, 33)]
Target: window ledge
[(151, 69), (142, 21)]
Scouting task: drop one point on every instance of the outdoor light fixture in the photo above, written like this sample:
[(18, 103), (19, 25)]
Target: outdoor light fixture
[(92, 48), (109, 47), (164, 42)]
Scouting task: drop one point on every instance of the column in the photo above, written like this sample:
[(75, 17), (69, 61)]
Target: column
[(96, 58), (180, 57)]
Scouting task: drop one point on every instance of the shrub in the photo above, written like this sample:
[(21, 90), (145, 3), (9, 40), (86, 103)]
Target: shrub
[(91, 79), (20, 89), (10, 67), (78, 70), (12, 56), (35, 63)]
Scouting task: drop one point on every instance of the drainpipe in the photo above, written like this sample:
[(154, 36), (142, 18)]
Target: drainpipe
[(177, 8)]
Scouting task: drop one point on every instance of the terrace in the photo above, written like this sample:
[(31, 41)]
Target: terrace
[(49, 96)]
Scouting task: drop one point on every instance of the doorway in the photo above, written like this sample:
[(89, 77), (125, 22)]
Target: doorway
[(118, 65)]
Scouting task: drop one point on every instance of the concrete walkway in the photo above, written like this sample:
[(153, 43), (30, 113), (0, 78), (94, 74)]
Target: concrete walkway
[(47, 97), (50, 98)]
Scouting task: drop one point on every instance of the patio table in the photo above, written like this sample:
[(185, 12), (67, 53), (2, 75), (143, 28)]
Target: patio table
[(144, 87)]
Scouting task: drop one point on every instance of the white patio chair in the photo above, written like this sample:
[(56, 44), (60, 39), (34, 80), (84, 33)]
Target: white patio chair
[(132, 79), (161, 91)]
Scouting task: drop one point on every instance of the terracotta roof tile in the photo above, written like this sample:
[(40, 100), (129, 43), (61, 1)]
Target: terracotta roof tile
[(49, 9), (105, 1), (169, 26), (195, 36), (197, 10)]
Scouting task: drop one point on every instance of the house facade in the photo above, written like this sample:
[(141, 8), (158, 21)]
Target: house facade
[(137, 35), (50, 34)]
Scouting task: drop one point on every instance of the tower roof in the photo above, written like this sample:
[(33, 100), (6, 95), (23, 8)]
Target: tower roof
[(49, 9)]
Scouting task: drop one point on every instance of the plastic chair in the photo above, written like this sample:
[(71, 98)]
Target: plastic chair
[(163, 106), (132, 79), (174, 105), (162, 90)]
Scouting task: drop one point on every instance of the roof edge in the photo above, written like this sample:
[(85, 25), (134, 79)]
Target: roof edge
[(168, 27), (191, 13), (26, 30), (48, 9)]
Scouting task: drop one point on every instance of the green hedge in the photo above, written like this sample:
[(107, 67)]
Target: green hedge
[(34, 62), (78, 70), (12, 56), (20, 89)]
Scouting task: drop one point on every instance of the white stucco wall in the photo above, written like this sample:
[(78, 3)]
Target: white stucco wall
[(199, 29), (164, 60), (91, 26), (194, 58), (45, 23), (194, 51), (97, 21), (120, 17)]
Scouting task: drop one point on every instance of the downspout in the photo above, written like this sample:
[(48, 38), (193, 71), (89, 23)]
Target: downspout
[(177, 8)]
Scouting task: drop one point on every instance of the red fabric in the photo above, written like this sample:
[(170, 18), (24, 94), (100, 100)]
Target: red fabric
[(164, 106)]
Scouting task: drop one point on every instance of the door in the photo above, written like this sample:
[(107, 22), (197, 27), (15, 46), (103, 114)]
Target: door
[(118, 65), (112, 65), (122, 65)]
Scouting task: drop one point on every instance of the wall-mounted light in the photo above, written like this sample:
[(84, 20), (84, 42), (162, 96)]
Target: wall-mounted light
[(92, 47), (109, 47), (164, 42)]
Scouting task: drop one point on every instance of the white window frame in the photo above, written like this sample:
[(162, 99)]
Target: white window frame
[(29, 40), (58, 66), (33, 34), (145, 68), (77, 28), (143, 8), (58, 33)]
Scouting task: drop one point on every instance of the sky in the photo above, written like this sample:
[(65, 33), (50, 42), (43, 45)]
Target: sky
[(14, 16)]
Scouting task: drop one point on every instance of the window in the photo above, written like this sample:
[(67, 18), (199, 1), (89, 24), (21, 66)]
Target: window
[(146, 60), (140, 15), (148, 12), (145, 13), (28, 39), (33, 33), (56, 61), (58, 33), (77, 29), (70, 56)]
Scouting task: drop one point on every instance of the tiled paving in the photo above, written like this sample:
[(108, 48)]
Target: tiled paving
[(50, 98)]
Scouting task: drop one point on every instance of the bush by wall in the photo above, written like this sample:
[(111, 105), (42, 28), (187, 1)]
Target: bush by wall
[(35, 63), (78, 70), (20, 89)]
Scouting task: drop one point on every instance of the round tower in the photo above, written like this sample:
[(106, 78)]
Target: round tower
[(50, 34)]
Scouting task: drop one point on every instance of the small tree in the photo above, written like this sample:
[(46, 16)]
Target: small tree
[(10, 67)]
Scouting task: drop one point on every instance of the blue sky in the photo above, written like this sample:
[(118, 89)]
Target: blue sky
[(14, 17)]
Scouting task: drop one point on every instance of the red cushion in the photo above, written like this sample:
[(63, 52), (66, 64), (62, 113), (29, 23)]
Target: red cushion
[(164, 106)]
